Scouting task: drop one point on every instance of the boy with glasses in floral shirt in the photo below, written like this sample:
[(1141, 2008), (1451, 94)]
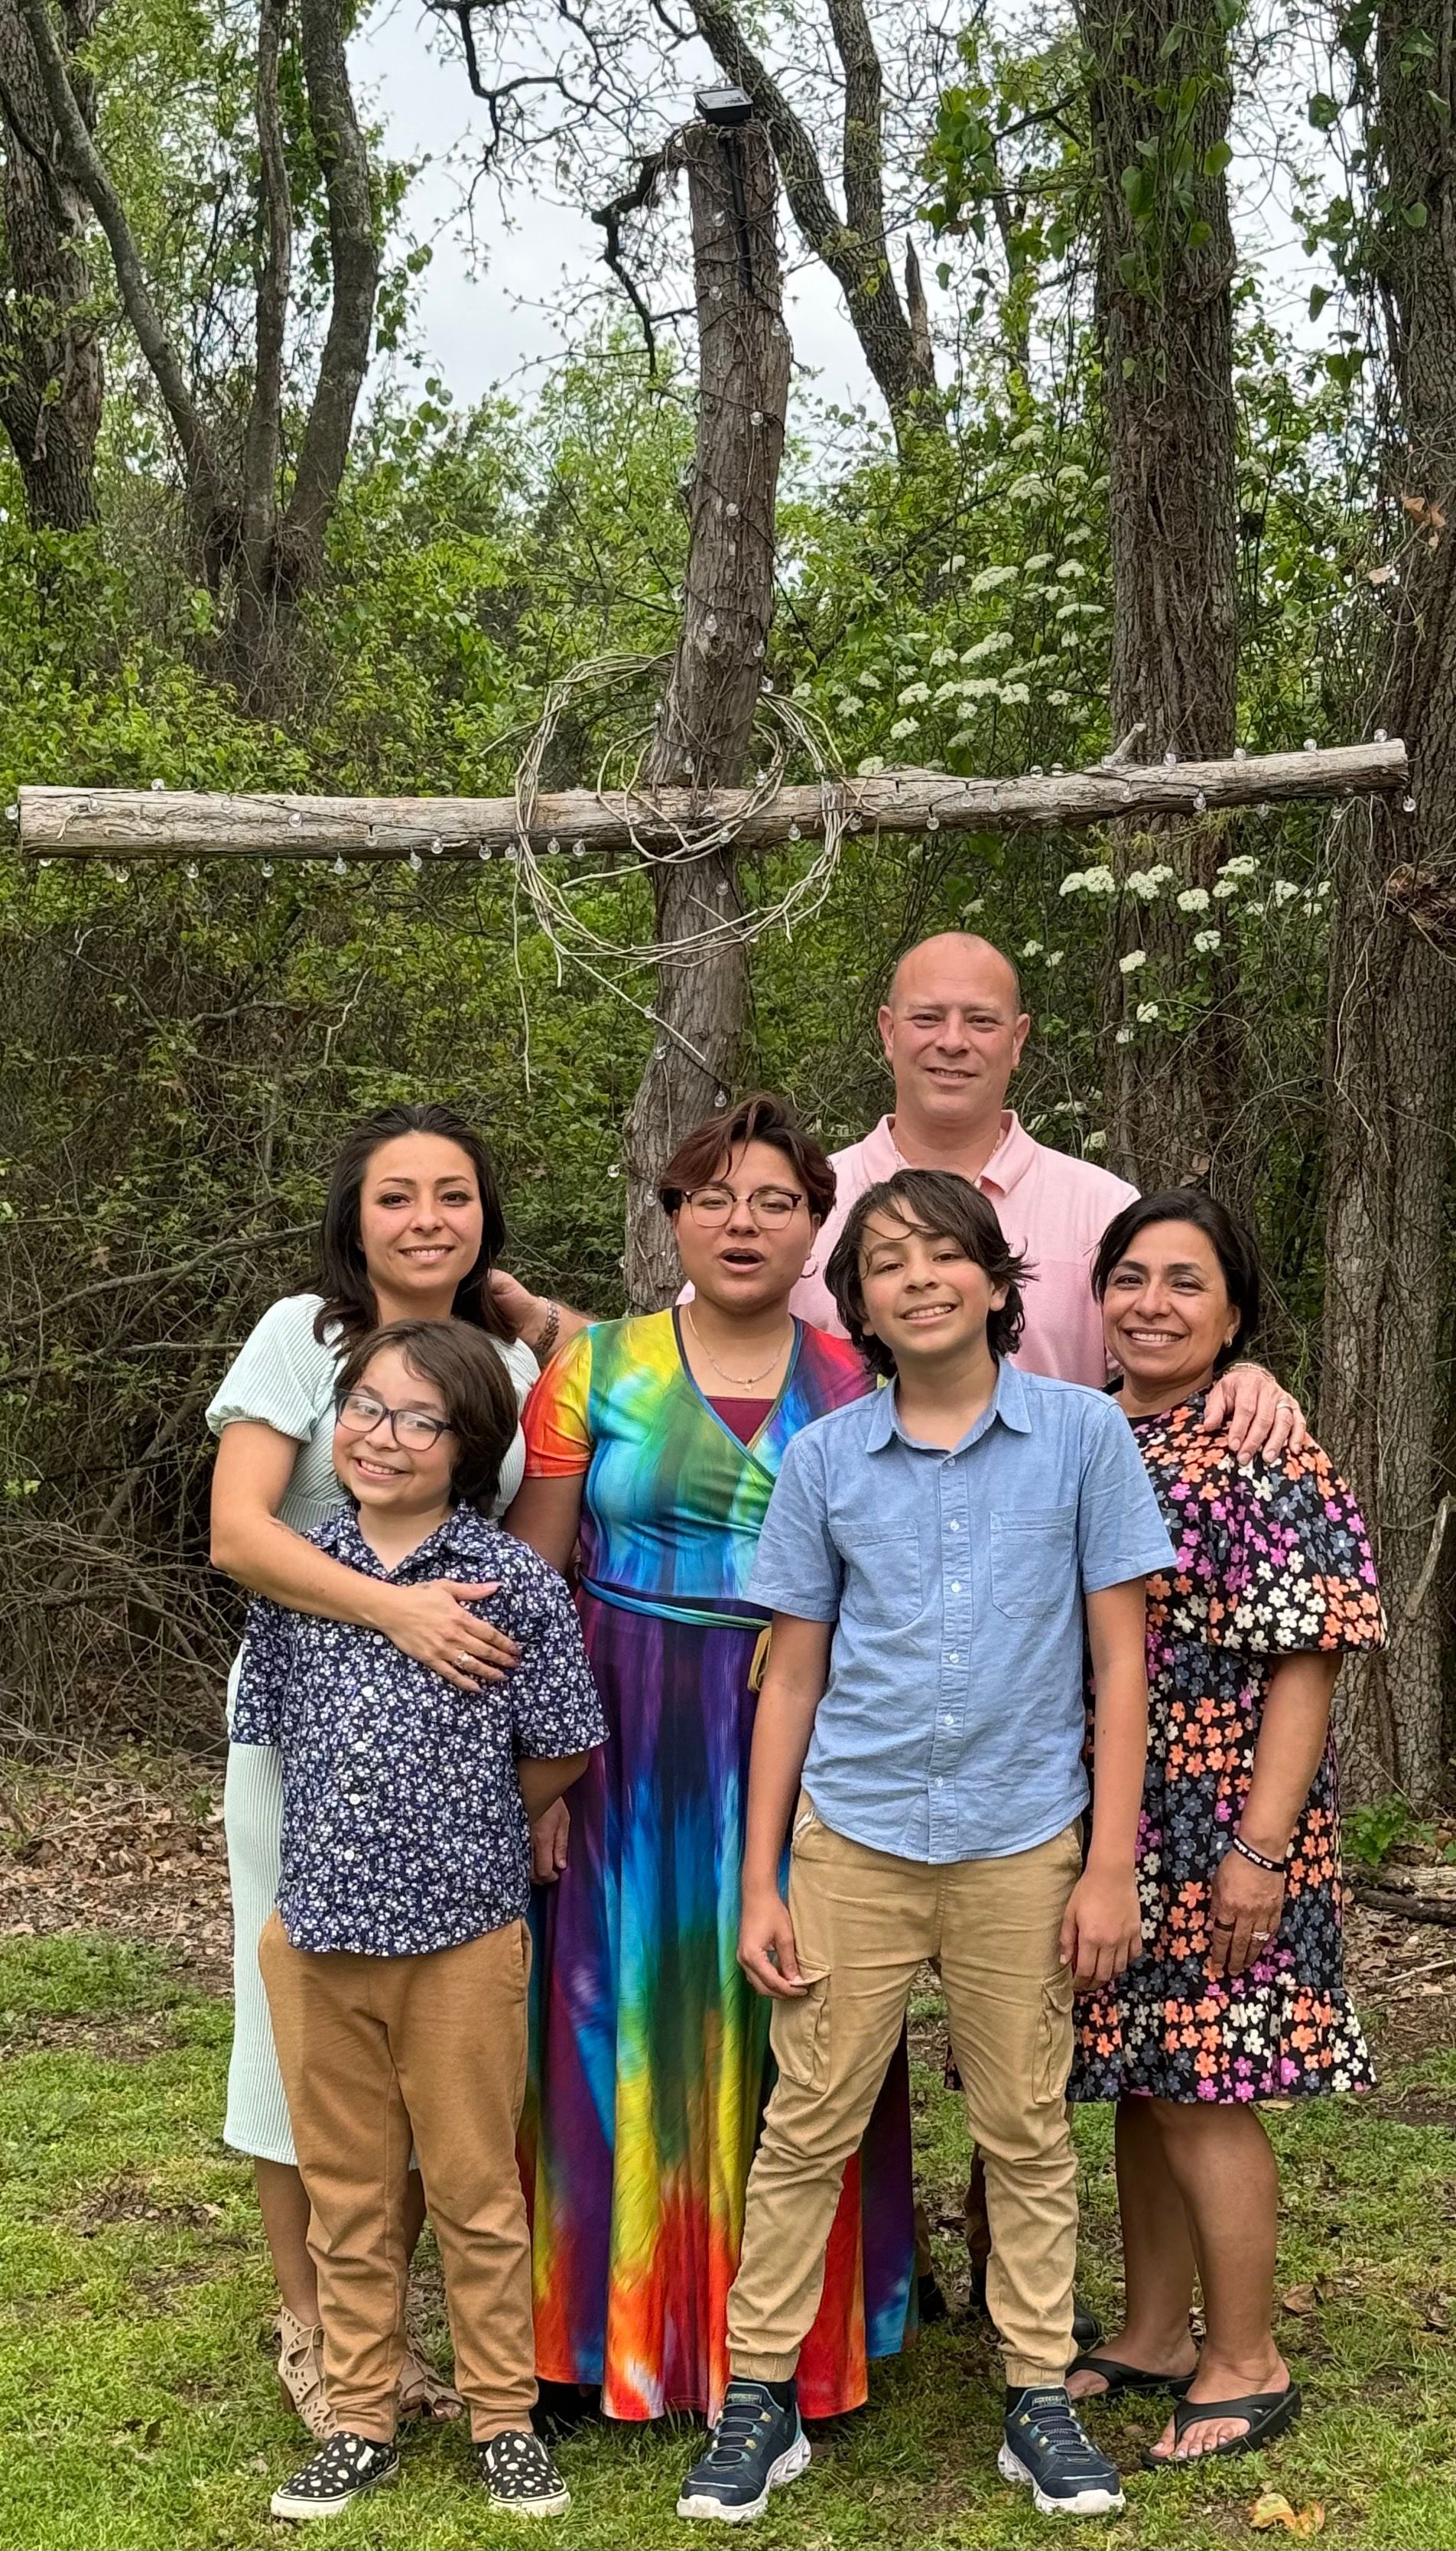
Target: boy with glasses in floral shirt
[(397, 1961)]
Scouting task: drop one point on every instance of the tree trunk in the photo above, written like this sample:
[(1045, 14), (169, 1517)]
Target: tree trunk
[(51, 367), (706, 716), (1160, 99), (1390, 1078)]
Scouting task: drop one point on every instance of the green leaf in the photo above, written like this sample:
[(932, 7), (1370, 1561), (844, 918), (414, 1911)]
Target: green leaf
[(1217, 159), (1414, 216), (1323, 111), (1137, 189), (1318, 299)]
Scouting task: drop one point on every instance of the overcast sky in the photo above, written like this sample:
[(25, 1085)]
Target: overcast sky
[(495, 316), (489, 319)]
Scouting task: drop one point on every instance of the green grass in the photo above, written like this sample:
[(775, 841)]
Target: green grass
[(142, 2413)]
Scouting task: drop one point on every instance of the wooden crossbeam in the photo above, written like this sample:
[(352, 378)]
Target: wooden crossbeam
[(169, 824)]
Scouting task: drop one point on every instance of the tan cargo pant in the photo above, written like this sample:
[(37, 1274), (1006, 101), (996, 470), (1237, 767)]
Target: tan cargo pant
[(864, 1922), (374, 2050)]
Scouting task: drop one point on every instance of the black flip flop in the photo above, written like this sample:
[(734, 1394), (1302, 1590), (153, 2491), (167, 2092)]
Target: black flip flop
[(1269, 2413), (1125, 2378)]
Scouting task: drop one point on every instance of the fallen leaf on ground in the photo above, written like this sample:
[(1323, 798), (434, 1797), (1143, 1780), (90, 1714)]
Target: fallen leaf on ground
[(1302, 2299), (1271, 2508)]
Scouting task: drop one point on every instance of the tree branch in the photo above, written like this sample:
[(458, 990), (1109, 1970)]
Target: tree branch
[(853, 250), (354, 260), (135, 823), (608, 218), (864, 93), (94, 179), (273, 262)]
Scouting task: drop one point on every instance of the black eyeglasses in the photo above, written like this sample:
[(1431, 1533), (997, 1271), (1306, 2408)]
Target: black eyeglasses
[(412, 1429), (770, 1207)]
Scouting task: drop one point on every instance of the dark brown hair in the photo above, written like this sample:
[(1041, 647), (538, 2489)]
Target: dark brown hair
[(478, 1393), (1231, 1241), (761, 1117), (943, 1206), (342, 1277)]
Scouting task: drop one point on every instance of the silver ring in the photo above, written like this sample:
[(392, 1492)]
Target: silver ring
[(1261, 1935), (1286, 1407)]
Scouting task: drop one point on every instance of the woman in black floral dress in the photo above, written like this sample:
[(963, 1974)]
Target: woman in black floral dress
[(1239, 1993)]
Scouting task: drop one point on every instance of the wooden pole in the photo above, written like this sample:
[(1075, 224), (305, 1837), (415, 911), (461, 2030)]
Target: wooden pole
[(135, 823), (704, 726)]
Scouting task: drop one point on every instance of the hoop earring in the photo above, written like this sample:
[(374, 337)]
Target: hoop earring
[(809, 1268)]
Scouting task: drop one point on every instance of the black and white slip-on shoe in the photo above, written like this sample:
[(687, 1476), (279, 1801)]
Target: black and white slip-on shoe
[(757, 2446), (340, 2471), (521, 2476), (1048, 2451)]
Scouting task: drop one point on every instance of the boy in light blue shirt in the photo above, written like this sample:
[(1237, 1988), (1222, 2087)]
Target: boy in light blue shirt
[(937, 1559)]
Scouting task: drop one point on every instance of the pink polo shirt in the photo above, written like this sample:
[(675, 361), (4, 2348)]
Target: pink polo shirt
[(1053, 1208)]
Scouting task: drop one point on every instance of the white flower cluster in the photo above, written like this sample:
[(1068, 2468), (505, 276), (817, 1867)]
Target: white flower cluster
[(1090, 881), (1134, 958), (1205, 941), (1147, 883)]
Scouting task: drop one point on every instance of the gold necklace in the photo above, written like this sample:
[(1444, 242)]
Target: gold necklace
[(741, 1378)]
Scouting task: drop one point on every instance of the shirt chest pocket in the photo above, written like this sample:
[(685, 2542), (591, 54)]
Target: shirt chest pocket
[(1033, 1558), (886, 1588)]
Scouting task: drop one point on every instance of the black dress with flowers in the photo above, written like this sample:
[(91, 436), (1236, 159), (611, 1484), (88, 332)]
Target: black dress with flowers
[(1272, 1561)]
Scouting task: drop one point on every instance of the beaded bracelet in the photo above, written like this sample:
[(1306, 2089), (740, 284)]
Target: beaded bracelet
[(1260, 1859)]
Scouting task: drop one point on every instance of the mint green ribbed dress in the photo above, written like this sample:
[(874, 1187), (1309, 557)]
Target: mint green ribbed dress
[(283, 1377)]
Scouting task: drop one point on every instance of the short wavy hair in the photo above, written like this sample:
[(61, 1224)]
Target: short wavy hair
[(943, 1206), (478, 1393), (761, 1117)]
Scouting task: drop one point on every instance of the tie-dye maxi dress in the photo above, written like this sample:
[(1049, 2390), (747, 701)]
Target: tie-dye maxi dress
[(649, 2048)]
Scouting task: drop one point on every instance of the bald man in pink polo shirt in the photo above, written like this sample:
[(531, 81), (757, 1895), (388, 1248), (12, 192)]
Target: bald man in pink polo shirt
[(953, 1029)]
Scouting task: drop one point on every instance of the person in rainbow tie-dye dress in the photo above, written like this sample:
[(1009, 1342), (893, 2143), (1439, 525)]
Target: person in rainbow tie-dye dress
[(656, 1442)]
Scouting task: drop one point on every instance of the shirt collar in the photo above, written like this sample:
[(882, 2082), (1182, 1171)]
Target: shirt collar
[(1013, 1156), (464, 1535), (1008, 1402)]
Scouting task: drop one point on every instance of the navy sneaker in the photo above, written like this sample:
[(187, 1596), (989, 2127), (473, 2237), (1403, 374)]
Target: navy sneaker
[(1048, 2451), (340, 2471), (757, 2447)]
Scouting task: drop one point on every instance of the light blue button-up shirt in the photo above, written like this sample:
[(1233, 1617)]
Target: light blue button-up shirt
[(954, 1720)]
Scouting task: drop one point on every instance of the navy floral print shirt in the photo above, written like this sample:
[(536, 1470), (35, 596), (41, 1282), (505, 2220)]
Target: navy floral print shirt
[(404, 1828)]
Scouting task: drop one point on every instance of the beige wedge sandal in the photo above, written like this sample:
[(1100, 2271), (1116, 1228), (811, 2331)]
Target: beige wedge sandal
[(424, 2394), (301, 2374)]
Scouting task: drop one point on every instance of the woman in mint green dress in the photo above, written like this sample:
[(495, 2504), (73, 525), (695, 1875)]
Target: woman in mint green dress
[(410, 1230)]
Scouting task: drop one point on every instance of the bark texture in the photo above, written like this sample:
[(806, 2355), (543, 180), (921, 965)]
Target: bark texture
[(707, 717), (1392, 1047), (259, 545), (893, 333), (1160, 98), (51, 364)]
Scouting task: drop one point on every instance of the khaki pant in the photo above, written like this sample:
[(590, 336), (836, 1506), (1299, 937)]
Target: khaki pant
[(864, 1922), (374, 2050)]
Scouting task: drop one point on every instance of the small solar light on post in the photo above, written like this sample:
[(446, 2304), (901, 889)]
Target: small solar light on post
[(727, 110)]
